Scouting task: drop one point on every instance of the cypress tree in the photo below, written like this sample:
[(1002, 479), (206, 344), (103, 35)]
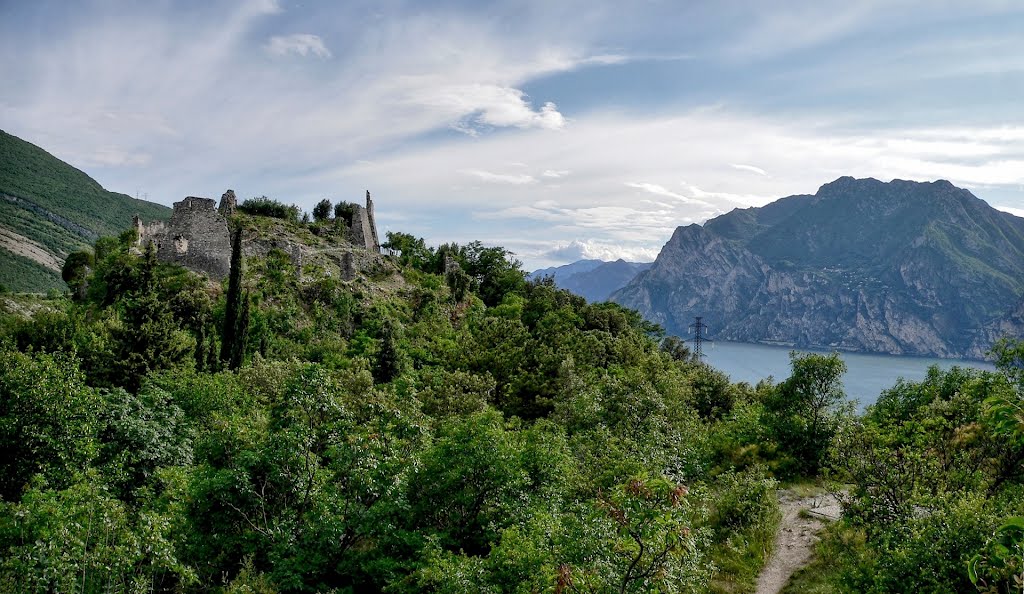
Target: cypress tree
[(389, 362), (241, 334), (227, 344), (200, 352)]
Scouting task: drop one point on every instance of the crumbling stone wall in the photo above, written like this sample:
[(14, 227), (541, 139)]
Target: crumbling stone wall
[(228, 204), (358, 225), (196, 237)]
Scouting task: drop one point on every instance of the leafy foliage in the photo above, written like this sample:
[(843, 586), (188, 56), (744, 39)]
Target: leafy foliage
[(268, 207), (453, 431)]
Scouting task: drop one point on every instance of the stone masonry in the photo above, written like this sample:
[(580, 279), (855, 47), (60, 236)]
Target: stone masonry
[(359, 226), (198, 237)]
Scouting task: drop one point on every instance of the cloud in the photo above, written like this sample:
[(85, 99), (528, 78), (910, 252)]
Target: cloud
[(663, 191), (265, 6), (199, 106), (1017, 212), (750, 168), (480, 105), (596, 250), (516, 179), (300, 44)]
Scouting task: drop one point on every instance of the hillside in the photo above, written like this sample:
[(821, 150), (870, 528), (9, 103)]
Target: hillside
[(432, 421), (900, 267), (49, 209), (594, 280)]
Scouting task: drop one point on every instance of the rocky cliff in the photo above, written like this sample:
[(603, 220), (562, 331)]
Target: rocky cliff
[(900, 267), (594, 280)]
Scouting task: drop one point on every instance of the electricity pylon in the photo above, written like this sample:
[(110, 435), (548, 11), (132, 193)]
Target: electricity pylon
[(699, 328)]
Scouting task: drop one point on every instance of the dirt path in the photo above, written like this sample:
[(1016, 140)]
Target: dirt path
[(795, 540)]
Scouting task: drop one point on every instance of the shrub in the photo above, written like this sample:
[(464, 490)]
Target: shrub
[(268, 207), (322, 210)]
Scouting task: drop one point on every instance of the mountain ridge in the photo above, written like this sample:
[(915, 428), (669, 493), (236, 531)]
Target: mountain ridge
[(594, 280), (901, 267), (49, 209)]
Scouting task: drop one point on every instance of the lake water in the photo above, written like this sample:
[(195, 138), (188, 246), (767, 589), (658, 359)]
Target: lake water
[(866, 375)]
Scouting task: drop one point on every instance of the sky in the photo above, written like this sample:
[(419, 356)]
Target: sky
[(560, 130)]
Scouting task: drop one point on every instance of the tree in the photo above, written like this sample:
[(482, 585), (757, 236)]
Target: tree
[(47, 420), (322, 210), (147, 338), (235, 324), (413, 251), (76, 272), (803, 408), (389, 360)]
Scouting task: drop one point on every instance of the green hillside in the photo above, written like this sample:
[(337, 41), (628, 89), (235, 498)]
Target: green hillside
[(58, 207), (440, 424)]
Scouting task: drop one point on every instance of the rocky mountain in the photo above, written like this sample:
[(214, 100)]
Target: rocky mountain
[(49, 209), (594, 280), (900, 267), (564, 271)]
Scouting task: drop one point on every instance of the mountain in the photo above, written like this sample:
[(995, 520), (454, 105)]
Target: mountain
[(563, 272), (900, 267), (49, 209), (594, 280)]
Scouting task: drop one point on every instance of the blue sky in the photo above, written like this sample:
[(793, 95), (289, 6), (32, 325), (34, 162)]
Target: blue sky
[(560, 130)]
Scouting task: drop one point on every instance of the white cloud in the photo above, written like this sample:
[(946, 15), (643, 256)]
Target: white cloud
[(663, 191), (300, 44), (114, 157), (595, 250), (490, 105), (516, 179), (265, 6), (1017, 212), (750, 168), (197, 107)]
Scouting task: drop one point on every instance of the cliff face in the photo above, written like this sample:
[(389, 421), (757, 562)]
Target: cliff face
[(899, 267)]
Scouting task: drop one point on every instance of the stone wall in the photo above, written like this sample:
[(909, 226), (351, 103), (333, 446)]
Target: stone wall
[(196, 237), (358, 225)]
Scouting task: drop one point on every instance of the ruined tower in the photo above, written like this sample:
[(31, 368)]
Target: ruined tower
[(358, 225), (228, 204), (373, 223), (196, 237)]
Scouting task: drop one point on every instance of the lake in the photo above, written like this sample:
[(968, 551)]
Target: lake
[(866, 376)]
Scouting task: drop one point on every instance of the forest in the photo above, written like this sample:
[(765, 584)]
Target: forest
[(445, 425)]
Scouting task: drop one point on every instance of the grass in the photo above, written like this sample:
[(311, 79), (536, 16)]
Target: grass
[(806, 489), (822, 575), (741, 557), (21, 275), (29, 172), (33, 175)]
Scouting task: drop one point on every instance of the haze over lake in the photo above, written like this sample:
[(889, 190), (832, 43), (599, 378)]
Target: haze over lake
[(865, 379)]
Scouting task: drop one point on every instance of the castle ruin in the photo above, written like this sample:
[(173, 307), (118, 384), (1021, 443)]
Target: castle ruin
[(198, 235), (358, 223)]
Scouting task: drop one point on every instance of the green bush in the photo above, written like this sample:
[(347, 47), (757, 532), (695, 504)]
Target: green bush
[(268, 207)]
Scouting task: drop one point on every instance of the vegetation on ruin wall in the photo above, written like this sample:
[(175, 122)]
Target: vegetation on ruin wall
[(448, 427), (268, 207)]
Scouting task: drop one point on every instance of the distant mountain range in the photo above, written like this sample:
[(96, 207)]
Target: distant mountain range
[(900, 267), (49, 209), (595, 280)]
